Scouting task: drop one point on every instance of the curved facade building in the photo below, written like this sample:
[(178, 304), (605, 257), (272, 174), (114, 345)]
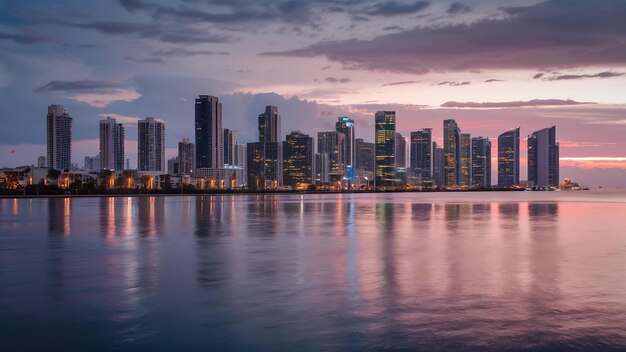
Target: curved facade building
[(508, 158)]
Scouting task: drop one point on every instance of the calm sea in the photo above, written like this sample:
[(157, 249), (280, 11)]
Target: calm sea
[(536, 271)]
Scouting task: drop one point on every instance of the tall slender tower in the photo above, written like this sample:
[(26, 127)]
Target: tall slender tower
[(333, 144), (385, 140), (151, 145), (345, 125), (466, 159), (400, 150), (230, 142), (264, 159), (508, 158), (452, 152), (111, 145), (186, 157), (543, 158), (209, 134), (59, 138), (481, 162), (421, 153)]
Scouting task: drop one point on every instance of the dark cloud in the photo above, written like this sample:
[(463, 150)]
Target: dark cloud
[(457, 8), (398, 83), (183, 52), (453, 84), (493, 80), (512, 104), (66, 86), (537, 76), (145, 60), (26, 37), (326, 67), (395, 8), (606, 74), (337, 80), (554, 33), (392, 28), (172, 33)]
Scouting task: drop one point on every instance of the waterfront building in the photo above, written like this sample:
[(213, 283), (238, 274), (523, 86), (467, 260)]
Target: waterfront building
[(345, 125), (481, 162), (111, 145), (186, 157), (59, 138), (151, 145), (508, 158), (452, 152), (439, 161), (543, 158), (466, 160), (230, 142), (209, 135), (298, 163), (264, 160), (365, 155), (400, 151), (421, 154), (333, 144), (385, 141)]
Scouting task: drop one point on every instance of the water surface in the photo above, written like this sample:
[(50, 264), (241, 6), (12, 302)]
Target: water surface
[(542, 271)]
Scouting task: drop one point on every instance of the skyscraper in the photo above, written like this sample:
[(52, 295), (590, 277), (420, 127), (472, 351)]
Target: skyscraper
[(466, 159), (400, 150), (365, 155), (543, 158), (209, 134), (186, 157), (421, 153), (298, 151), (264, 161), (345, 125), (59, 138), (151, 145), (385, 140), (481, 162), (173, 166), (439, 161), (508, 158), (333, 143), (230, 142), (452, 153), (111, 145), (41, 161)]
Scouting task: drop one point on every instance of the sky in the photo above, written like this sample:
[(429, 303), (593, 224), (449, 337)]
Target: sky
[(492, 65)]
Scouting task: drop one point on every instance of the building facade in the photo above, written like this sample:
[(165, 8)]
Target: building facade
[(59, 138), (439, 162), (298, 160), (508, 158), (264, 159), (385, 144), (421, 154), (543, 158), (481, 162), (345, 125), (230, 143), (452, 153), (186, 158), (111, 145), (151, 145), (466, 159), (365, 155), (333, 144), (209, 134), (400, 150)]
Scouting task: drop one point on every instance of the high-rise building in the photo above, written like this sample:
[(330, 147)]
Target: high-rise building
[(186, 157), (452, 152), (264, 159), (322, 167), (209, 134), (508, 158), (230, 141), (345, 125), (240, 161), (41, 161), (481, 162), (333, 144), (400, 150), (466, 159), (269, 125), (59, 138), (298, 163), (421, 153), (151, 145), (543, 158), (365, 155), (385, 140), (439, 162), (92, 163), (111, 145)]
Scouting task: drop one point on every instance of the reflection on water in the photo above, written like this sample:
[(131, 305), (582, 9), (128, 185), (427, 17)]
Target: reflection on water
[(314, 272)]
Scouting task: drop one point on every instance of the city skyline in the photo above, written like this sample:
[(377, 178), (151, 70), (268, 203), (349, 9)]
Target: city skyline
[(254, 55)]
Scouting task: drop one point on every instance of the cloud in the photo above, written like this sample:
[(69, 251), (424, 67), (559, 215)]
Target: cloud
[(145, 60), (98, 94), (512, 104), (26, 37), (538, 75), (452, 84), (554, 33), (398, 83), (493, 80), (170, 33), (183, 52), (337, 80), (593, 162), (395, 8), (65, 86), (606, 74), (458, 8)]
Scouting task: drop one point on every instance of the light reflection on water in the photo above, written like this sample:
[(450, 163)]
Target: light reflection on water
[(430, 272)]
